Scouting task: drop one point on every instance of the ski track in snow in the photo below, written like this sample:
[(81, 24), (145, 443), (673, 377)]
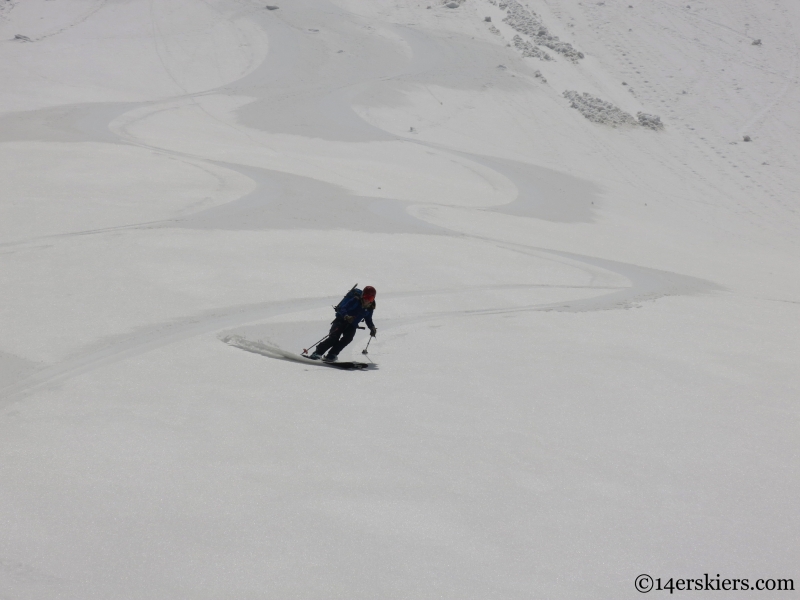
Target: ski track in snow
[(645, 283), (493, 454)]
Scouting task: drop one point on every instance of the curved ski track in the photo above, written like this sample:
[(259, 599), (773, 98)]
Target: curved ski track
[(646, 284)]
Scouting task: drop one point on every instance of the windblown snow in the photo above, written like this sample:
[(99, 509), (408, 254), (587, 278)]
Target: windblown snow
[(581, 221)]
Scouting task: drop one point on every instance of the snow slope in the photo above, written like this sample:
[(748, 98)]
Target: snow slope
[(588, 334)]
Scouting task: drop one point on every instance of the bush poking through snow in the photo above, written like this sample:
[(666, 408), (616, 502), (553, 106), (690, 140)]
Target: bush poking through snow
[(529, 23), (605, 113), (599, 111), (529, 50), (650, 121)]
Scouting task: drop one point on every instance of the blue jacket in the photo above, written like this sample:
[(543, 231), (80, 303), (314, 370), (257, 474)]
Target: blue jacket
[(353, 308)]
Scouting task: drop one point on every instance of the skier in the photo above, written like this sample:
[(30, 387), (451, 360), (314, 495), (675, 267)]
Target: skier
[(354, 308)]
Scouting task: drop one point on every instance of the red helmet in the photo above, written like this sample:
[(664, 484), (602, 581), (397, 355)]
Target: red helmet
[(369, 293)]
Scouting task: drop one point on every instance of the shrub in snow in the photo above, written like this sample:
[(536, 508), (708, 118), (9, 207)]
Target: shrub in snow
[(529, 23), (756, 42), (746, 138), (529, 49), (600, 111), (651, 121), (597, 110)]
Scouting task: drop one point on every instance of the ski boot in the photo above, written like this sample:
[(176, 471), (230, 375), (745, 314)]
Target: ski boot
[(331, 357)]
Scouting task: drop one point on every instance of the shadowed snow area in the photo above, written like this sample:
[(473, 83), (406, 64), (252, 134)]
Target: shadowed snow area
[(537, 186), (14, 368), (68, 123), (285, 201), (588, 335)]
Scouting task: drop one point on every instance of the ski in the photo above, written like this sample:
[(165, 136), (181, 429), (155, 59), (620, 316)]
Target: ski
[(347, 365), (258, 347)]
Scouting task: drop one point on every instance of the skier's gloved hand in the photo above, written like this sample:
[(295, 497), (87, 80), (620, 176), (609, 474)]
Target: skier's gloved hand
[(348, 318), (373, 332)]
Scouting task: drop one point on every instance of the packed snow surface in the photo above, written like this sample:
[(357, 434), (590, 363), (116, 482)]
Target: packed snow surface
[(586, 366)]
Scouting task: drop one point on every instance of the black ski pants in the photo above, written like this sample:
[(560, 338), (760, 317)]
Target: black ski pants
[(342, 333)]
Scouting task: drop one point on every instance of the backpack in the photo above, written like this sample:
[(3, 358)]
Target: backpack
[(353, 293)]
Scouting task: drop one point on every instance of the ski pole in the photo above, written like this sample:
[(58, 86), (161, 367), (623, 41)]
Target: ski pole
[(364, 351), (305, 350)]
